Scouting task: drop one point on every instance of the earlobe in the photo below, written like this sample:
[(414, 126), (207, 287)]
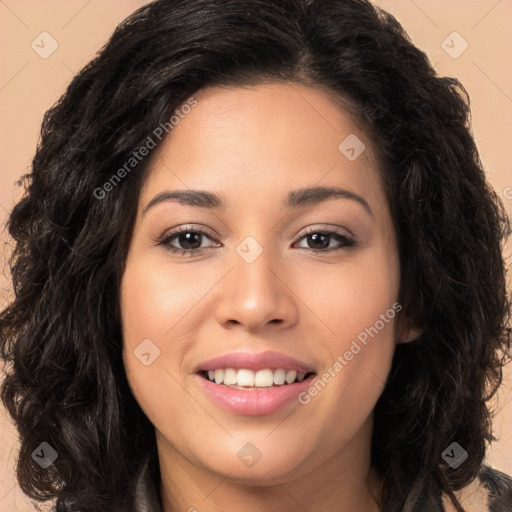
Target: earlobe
[(408, 335), (407, 328)]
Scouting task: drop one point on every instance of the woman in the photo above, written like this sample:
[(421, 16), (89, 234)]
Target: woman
[(257, 266)]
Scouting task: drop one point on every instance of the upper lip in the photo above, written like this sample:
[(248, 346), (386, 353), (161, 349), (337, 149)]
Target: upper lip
[(255, 361)]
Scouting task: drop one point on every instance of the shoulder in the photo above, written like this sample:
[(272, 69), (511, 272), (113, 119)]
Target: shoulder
[(491, 491)]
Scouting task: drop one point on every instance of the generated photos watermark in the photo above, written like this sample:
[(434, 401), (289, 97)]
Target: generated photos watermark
[(354, 349), (140, 153)]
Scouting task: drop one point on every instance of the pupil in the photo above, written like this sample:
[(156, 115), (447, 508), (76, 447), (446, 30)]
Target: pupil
[(187, 240), (316, 237)]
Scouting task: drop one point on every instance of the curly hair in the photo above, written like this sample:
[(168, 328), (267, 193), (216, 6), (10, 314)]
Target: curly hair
[(61, 335)]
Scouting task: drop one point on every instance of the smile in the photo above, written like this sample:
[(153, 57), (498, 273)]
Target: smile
[(254, 399), (249, 379)]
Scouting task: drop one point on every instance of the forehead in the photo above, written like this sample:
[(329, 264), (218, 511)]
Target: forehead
[(264, 139)]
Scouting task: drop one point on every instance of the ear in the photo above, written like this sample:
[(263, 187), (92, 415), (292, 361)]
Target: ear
[(408, 335), (406, 331)]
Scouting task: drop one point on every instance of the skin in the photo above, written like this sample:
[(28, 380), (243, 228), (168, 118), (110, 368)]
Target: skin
[(253, 145)]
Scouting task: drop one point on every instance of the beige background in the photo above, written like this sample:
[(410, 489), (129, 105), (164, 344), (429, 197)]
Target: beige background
[(30, 84)]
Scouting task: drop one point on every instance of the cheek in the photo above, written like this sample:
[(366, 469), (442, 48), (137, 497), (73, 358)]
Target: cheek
[(352, 296), (155, 300), (159, 305), (146, 316), (360, 315)]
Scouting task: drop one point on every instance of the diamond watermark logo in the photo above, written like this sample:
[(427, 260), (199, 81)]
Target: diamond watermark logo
[(146, 352), (249, 454), (44, 455), (454, 45), (44, 45), (249, 250), (454, 455), (351, 147)]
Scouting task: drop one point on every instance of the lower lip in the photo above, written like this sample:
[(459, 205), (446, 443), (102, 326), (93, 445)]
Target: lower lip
[(254, 402)]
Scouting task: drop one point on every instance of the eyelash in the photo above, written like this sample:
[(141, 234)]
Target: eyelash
[(346, 242)]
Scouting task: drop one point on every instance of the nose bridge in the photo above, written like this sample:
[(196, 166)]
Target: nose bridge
[(254, 294), (252, 267)]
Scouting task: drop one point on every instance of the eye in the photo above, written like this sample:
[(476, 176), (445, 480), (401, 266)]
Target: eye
[(320, 240), (189, 239)]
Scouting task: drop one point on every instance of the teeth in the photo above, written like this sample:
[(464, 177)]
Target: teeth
[(219, 376), (279, 377), (230, 376), (260, 379), (264, 379), (245, 378), (290, 376)]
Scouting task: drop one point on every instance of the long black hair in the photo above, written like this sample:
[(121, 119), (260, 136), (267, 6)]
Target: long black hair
[(61, 334)]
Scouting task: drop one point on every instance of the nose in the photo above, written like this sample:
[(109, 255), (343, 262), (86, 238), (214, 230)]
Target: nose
[(257, 295)]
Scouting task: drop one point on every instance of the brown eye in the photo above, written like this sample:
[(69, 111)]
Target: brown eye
[(188, 240), (321, 241), (185, 240)]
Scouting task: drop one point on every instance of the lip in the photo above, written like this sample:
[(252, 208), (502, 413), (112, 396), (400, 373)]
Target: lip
[(252, 402), (255, 362)]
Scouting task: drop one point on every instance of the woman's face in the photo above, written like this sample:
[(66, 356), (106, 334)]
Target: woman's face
[(265, 280)]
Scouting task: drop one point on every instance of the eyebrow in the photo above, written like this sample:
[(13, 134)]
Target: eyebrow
[(296, 198)]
